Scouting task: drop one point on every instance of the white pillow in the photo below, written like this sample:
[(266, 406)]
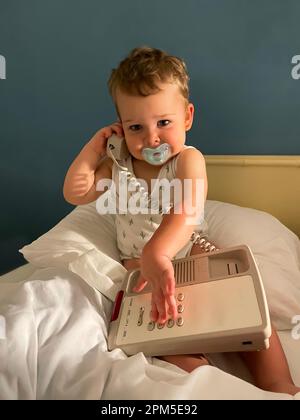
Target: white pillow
[(79, 232), (85, 243), (83, 238)]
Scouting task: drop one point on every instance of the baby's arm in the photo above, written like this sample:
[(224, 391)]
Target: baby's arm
[(89, 167), (175, 229), (172, 234)]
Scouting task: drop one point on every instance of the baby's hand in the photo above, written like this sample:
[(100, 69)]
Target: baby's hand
[(159, 271), (99, 140)]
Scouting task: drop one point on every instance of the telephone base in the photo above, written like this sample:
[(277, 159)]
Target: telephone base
[(221, 308)]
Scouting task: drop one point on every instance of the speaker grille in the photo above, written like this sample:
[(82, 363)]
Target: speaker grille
[(184, 272)]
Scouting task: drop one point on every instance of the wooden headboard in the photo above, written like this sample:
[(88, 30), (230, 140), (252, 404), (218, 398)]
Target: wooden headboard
[(268, 183)]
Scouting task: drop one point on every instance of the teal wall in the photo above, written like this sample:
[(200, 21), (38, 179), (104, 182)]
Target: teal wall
[(59, 55)]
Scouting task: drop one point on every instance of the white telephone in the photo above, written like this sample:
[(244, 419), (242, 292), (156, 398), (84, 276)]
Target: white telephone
[(117, 150), (221, 304)]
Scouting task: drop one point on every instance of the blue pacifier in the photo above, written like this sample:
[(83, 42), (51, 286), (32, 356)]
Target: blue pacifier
[(158, 155)]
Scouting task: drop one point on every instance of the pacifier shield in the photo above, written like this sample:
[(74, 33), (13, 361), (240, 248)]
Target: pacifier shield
[(158, 155)]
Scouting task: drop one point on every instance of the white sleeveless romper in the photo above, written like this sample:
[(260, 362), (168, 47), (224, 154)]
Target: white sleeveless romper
[(135, 230)]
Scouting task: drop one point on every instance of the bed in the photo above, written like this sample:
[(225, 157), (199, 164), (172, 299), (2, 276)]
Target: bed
[(54, 311)]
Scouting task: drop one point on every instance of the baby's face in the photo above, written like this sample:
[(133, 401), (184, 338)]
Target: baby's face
[(149, 121)]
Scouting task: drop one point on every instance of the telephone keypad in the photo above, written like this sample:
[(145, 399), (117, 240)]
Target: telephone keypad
[(170, 322)]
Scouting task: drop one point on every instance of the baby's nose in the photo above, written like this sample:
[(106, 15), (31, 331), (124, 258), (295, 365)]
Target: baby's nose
[(152, 140)]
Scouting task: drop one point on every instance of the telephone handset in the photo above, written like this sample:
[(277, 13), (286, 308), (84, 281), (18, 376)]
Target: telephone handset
[(117, 150)]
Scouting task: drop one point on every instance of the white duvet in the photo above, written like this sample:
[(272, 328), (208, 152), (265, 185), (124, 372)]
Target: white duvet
[(55, 348), (53, 322)]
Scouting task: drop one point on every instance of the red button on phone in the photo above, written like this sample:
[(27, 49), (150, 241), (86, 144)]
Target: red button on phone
[(117, 305)]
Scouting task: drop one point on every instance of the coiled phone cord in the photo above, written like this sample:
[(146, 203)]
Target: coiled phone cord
[(204, 243), (196, 237)]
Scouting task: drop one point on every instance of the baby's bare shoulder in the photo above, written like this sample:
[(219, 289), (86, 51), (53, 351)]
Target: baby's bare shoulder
[(190, 156)]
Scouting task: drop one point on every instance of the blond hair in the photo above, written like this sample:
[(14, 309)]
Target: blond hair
[(141, 72)]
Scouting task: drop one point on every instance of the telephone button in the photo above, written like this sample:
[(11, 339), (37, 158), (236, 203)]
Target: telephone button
[(180, 297), (151, 326), (170, 323), (179, 321), (180, 308)]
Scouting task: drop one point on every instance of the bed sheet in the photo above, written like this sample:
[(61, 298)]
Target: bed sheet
[(54, 347)]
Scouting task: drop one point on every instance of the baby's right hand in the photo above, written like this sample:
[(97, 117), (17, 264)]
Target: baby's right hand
[(158, 270), (99, 140)]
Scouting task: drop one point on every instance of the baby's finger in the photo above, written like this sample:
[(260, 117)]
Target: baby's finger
[(108, 132), (112, 129), (168, 281), (161, 305), (171, 301), (140, 284), (154, 312)]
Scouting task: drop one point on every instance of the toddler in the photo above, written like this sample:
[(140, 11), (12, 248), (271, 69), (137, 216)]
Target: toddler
[(151, 95)]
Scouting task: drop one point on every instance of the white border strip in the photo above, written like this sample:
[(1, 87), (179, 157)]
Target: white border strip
[(244, 160)]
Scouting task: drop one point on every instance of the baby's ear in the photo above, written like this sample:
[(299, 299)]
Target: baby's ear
[(189, 116)]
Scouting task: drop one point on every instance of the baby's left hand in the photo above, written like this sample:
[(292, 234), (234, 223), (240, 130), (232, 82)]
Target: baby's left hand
[(159, 271)]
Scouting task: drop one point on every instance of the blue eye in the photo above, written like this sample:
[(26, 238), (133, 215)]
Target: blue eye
[(163, 123), (135, 127)]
